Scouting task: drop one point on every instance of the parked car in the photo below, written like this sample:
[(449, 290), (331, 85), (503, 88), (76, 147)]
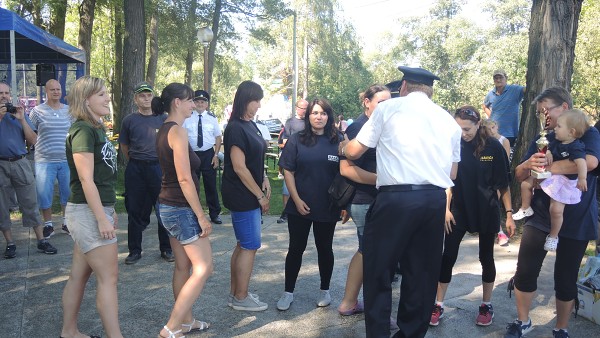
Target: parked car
[(274, 125)]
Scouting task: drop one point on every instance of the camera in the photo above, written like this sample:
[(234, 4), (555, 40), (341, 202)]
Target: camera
[(10, 108)]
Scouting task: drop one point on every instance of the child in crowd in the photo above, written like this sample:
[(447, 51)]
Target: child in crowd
[(492, 127), (562, 189)]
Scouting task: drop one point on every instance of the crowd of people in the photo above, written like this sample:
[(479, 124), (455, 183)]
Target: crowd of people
[(423, 178)]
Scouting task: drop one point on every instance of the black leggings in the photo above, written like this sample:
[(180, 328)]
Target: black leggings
[(486, 255), (531, 256), (299, 228)]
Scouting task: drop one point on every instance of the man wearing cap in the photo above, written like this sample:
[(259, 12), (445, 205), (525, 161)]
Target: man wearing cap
[(143, 175), (502, 105), (16, 131), (418, 150), (52, 121), (292, 125), (205, 138)]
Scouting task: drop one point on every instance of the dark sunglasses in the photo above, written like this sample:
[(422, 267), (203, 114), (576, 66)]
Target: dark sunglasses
[(467, 112)]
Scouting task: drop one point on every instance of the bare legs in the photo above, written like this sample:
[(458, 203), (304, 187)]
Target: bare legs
[(353, 282), (102, 261), (187, 287), (242, 263)]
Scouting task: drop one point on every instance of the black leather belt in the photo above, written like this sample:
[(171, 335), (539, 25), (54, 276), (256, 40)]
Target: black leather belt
[(12, 159), (147, 162), (409, 187)]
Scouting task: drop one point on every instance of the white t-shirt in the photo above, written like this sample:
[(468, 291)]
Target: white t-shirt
[(417, 141)]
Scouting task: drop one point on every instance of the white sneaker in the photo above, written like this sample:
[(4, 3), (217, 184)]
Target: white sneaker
[(248, 304), (551, 243), (522, 213), (285, 301), (324, 299), (230, 298)]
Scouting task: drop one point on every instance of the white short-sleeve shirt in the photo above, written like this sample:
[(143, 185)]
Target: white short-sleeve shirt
[(210, 130), (417, 141)]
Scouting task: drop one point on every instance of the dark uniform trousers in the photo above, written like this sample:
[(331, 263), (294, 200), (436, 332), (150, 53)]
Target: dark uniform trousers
[(405, 226), (142, 186), (209, 180)]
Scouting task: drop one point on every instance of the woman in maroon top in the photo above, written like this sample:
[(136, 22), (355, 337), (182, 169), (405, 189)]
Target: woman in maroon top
[(180, 209)]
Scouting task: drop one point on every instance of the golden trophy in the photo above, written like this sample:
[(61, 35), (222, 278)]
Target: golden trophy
[(542, 145)]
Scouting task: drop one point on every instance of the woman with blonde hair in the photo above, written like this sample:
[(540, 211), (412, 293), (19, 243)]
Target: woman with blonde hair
[(90, 210)]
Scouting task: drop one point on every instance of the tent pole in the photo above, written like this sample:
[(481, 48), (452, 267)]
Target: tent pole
[(13, 68)]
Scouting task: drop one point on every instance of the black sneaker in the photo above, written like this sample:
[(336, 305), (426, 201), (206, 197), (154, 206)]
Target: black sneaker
[(282, 219), (167, 256), (11, 251), (65, 229), (48, 231), (560, 333), (133, 258), (46, 247), (517, 329)]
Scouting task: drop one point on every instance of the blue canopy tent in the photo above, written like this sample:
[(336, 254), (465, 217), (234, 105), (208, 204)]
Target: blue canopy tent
[(24, 43)]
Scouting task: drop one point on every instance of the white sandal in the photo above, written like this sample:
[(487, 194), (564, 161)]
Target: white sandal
[(190, 327), (171, 333)]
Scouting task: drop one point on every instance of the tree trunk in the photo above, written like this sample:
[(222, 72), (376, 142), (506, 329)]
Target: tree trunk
[(216, 19), (117, 74), (57, 19), (192, 44), (552, 36), (134, 53), (86, 24), (153, 39)]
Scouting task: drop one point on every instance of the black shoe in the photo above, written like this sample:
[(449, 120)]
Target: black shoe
[(46, 248), (217, 220), (48, 231), (11, 251), (166, 255), (65, 229), (282, 219), (133, 258)]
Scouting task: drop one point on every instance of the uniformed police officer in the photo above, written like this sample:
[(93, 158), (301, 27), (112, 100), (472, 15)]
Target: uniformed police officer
[(205, 138), (418, 148)]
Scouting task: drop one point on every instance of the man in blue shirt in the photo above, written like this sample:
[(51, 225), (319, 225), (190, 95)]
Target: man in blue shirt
[(502, 105), (15, 171)]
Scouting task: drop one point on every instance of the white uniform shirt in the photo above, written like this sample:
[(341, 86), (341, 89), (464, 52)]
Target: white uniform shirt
[(417, 141), (210, 130)]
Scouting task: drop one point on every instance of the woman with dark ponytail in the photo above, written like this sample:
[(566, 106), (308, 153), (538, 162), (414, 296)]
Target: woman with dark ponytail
[(180, 209), (473, 206)]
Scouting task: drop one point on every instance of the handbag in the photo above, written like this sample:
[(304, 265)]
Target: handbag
[(341, 191)]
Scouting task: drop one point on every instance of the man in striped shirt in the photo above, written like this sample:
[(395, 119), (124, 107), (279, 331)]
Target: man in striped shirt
[(52, 121)]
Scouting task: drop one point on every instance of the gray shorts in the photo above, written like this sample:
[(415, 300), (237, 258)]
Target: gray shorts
[(84, 227), (18, 175)]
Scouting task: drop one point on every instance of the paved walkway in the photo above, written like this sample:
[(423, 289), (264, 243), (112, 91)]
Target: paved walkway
[(31, 286)]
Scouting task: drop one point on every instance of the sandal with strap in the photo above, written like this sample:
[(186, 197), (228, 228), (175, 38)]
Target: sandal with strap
[(171, 333), (188, 328)]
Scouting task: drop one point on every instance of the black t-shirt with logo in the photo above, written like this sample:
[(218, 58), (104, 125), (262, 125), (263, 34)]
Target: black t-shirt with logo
[(314, 168), (475, 203)]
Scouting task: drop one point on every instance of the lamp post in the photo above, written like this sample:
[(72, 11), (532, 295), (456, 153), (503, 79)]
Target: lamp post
[(205, 36)]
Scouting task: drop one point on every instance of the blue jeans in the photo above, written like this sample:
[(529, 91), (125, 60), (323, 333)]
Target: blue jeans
[(180, 222), (359, 214), (246, 225), (46, 173)]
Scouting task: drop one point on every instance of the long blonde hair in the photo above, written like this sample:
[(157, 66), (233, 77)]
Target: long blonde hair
[(83, 88)]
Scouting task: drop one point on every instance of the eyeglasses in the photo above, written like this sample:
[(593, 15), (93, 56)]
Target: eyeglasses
[(467, 112), (302, 108), (547, 110)]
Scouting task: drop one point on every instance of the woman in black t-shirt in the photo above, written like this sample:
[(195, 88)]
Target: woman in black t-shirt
[(473, 206), (310, 159), (246, 191)]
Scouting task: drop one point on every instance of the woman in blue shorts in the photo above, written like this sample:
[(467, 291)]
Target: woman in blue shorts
[(245, 191), (180, 209)]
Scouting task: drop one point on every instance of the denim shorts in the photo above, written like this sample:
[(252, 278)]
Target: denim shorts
[(284, 190), (180, 222), (83, 226), (359, 214), (46, 173), (246, 225)]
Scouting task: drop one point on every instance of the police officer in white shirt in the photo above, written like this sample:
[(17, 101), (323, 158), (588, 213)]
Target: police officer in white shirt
[(418, 149), (204, 135)]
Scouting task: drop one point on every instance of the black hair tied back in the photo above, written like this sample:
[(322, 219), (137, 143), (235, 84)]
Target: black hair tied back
[(158, 106)]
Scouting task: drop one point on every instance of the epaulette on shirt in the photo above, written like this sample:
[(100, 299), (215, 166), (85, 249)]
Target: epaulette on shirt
[(212, 114)]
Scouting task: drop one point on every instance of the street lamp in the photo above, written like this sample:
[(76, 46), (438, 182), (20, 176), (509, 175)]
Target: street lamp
[(205, 36)]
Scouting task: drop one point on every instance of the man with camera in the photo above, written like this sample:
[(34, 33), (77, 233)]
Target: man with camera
[(15, 171)]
